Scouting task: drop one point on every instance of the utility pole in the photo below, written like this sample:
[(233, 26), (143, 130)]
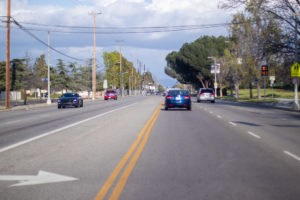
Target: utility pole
[(49, 93), (121, 77), (94, 68), (132, 75), (7, 97)]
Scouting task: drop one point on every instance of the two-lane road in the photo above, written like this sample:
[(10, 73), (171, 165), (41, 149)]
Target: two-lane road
[(133, 149)]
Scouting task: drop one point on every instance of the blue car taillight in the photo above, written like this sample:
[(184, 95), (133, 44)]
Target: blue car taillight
[(58, 100), (75, 100)]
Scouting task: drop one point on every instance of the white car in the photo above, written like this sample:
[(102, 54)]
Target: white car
[(206, 94)]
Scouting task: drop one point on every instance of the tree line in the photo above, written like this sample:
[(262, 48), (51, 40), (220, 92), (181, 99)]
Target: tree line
[(263, 33), (72, 76)]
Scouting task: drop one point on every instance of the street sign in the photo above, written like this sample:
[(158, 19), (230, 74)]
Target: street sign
[(295, 70), (264, 70), (105, 84), (216, 68), (272, 78)]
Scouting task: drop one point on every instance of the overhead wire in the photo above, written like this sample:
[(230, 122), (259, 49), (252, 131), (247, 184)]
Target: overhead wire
[(41, 41), (116, 30)]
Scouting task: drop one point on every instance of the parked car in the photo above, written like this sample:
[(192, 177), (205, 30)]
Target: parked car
[(206, 94), (110, 94), (178, 98), (69, 99)]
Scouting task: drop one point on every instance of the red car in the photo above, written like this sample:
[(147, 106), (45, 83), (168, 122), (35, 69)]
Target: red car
[(110, 94)]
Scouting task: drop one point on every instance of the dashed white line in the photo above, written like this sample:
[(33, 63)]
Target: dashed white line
[(233, 124), (211, 112), (219, 116), (292, 155), (254, 135)]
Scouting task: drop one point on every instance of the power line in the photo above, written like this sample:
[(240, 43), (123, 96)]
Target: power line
[(117, 30), (39, 40)]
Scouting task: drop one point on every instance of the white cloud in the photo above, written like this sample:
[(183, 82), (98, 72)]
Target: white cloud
[(150, 48)]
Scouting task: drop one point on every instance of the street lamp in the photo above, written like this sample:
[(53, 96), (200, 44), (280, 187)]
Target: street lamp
[(215, 70)]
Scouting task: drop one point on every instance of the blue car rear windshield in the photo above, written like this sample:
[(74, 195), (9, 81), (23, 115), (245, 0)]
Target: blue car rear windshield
[(178, 92), (70, 95)]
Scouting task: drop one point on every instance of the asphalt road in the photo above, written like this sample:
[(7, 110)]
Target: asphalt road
[(133, 149)]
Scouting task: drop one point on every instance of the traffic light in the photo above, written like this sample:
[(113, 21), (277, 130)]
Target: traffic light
[(264, 70)]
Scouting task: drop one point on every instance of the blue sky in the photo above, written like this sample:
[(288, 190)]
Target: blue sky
[(150, 48)]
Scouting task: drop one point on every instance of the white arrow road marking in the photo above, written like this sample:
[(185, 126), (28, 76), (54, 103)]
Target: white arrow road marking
[(233, 124), (42, 178)]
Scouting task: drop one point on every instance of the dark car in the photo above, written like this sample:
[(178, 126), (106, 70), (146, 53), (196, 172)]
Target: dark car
[(69, 99), (110, 94), (178, 98)]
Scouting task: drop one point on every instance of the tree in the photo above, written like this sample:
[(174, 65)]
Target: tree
[(191, 63), (161, 89), (2, 76), (40, 71), (18, 74), (62, 79), (112, 72)]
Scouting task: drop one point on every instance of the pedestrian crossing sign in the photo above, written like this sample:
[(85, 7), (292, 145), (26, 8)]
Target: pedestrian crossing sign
[(295, 70)]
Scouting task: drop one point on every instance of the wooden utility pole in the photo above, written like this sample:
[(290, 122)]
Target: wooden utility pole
[(132, 76), (7, 97), (121, 78), (94, 67)]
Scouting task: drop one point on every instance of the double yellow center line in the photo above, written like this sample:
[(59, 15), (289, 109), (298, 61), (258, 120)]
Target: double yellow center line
[(123, 179)]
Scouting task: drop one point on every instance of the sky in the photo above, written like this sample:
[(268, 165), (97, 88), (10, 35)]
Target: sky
[(63, 19)]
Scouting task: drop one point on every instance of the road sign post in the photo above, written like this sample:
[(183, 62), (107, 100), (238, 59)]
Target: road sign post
[(272, 79), (264, 73), (295, 73)]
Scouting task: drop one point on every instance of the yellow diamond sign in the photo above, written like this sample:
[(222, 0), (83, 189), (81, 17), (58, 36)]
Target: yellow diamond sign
[(295, 70)]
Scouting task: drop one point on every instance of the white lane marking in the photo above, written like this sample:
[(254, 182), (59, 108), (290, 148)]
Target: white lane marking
[(41, 178), (292, 155), (60, 129), (254, 135), (211, 112), (233, 124), (219, 116)]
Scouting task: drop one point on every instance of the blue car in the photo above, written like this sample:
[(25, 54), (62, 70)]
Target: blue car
[(178, 98)]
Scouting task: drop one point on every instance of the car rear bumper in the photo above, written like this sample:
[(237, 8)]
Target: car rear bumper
[(206, 98), (176, 104)]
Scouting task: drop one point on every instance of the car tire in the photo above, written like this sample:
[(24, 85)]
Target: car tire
[(189, 108), (166, 108), (81, 105), (198, 100), (212, 101), (59, 107)]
